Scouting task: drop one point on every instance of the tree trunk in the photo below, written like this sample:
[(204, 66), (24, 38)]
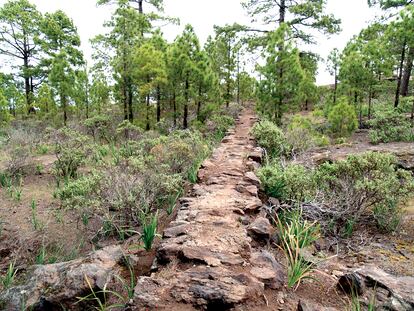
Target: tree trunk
[(238, 77), (125, 100), (199, 102), (228, 73), (147, 117), (412, 115), (158, 104), (27, 86), (140, 9), (335, 87), (130, 110), (369, 101), (397, 92), (282, 11), (174, 99), (185, 117), (407, 72), (63, 101)]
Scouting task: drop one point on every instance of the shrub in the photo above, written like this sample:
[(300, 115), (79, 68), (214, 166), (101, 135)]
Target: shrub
[(218, 125), (389, 125), (270, 137), (368, 184), (293, 183), (80, 187), (18, 162), (128, 130), (342, 119), (132, 192), (98, 127), (71, 150), (302, 134), (180, 151)]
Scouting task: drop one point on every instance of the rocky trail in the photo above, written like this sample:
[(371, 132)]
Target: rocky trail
[(215, 255), (206, 258)]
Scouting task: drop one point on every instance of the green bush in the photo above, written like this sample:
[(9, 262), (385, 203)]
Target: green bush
[(342, 119), (389, 125), (364, 185), (129, 131), (80, 187), (219, 124), (270, 137), (302, 134), (293, 183), (71, 150), (99, 127)]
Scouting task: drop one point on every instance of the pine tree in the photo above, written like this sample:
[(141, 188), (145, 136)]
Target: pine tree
[(61, 42), (281, 76), (19, 26)]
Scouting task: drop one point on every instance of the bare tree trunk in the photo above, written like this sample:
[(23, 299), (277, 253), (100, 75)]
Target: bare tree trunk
[(130, 110), (412, 115), (282, 11), (27, 85), (238, 77), (335, 86), (63, 102), (158, 104), (199, 102), (185, 117), (147, 117), (397, 92), (174, 99), (407, 72), (369, 101)]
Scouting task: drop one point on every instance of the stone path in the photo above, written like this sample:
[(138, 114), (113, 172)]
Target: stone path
[(206, 257)]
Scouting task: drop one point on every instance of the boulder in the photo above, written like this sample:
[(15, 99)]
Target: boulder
[(252, 205), (252, 178), (267, 270), (211, 288), (391, 292), (60, 284), (260, 228), (256, 155)]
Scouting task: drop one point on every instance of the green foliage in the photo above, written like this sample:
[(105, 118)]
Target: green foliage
[(270, 137), (279, 89), (101, 299), (149, 230), (99, 127), (295, 234), (313, 12), (302, 134), (8, 279), (389, 125), (37, 224), (388, 215), (367, 183), (128, 130), (218, 124), (71, 150), (77, 189), (342, 119), (60, 42), (292, 183)]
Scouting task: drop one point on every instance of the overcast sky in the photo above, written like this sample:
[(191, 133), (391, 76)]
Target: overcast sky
[(203, 14)]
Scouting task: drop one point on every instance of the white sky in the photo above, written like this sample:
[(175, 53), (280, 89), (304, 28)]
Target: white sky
[(203, 14)]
